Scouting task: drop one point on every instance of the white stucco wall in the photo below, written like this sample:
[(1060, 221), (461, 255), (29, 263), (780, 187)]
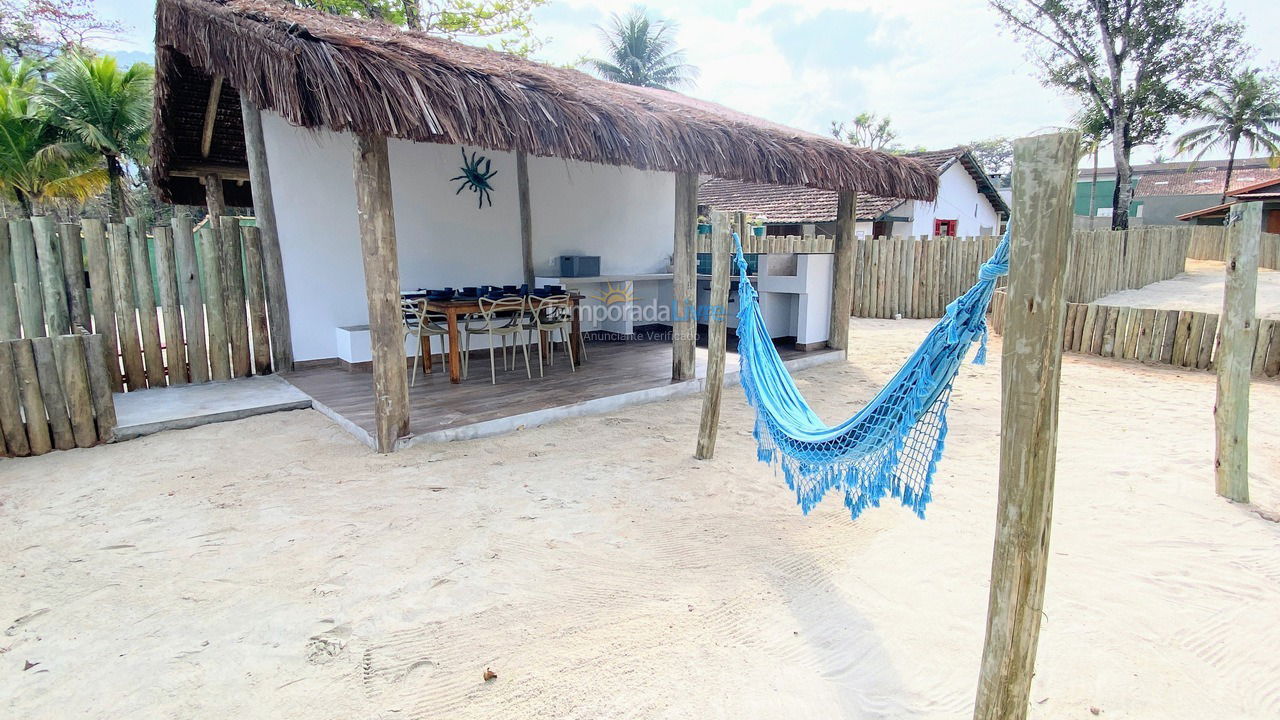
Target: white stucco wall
[(625, 216), (958, 199)]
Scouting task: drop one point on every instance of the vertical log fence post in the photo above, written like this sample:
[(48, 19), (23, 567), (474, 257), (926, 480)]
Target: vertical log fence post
[(842, 279), (1044, 171), (1239, 332)]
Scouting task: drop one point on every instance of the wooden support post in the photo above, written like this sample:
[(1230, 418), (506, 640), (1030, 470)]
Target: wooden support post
[(717, 316), (684, 267), (10, 324), (526, 216), (213, 196), (52, 287), (1044, 170), (264, 211), (1239, 330), (382, 288), (842, 279)]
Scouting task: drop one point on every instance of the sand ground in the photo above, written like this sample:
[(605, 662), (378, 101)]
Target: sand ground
[(275, 568), (1199, 288)]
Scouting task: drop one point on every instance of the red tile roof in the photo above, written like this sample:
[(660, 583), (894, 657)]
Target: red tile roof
[(1202, 182)]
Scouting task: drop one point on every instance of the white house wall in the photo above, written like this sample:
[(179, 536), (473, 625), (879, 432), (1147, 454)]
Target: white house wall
[(625, 216), (958, 199)]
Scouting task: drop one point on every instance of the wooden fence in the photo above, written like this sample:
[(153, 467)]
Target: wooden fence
[(1182, 338), (1209, 242), (55, 393), (173, 306)]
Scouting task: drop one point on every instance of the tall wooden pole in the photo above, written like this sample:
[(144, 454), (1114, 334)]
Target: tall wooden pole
[(1239, 332), (264, 211), (213, 197), (684, 267), (717, 330), (846, 243), (382, 288), (1044, 170), (526, 216)]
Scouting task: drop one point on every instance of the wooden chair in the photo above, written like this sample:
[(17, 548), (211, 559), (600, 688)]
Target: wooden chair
[(549, 315), (420, 324), (498, 319)]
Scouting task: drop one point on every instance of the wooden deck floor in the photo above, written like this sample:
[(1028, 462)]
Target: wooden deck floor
[(435, 404)]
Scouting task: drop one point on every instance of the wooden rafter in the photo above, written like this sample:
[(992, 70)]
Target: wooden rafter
[(210, 115)]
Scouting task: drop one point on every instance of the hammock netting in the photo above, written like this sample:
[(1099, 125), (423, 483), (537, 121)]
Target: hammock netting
[(892, 446)]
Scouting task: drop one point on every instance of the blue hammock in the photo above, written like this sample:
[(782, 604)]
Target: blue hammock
[(891, 446)]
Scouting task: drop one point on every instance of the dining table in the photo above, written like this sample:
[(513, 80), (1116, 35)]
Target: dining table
[(460, 307)]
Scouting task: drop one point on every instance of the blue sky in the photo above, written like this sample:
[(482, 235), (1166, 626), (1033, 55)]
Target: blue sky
[(941, 68)]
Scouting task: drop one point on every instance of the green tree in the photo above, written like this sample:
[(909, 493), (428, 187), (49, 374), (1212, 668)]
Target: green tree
[(40, 29), (868, 130), (1092, 123), (105, 110), (36, 165), (995, 155), (1141, 61), (1245, 108), (510, 22), (641, 51)]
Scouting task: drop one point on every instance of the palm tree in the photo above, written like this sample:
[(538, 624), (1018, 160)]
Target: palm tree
[(104, 109), (1246, 107), (1094, 131), (642, 52), (35, 164)]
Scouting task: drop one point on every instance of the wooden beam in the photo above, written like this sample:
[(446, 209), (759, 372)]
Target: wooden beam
[(1239, 330), (846, 243), (210, 116), (716, 336), (1044, 171), (213, 197), (382, 288), (264, 211), (226, 172), (684, 266), (526, 216)]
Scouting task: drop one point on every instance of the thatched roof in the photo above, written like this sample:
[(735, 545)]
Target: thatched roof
[(320, 70)]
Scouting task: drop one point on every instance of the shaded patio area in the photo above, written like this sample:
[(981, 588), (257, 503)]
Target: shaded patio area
[(615, 374)]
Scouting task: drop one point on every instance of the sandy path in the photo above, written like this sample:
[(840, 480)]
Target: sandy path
[(1199, 288), (273, 568)]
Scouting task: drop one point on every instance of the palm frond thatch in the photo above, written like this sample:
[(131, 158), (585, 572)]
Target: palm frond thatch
[(363, 76)]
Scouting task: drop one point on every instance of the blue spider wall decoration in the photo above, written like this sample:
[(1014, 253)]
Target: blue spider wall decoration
[(475, 177)]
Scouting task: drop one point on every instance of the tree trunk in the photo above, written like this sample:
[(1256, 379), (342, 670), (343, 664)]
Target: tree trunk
[(1122, 195), (412, 15), (115, 178), (1231, 164), (1093, 186), (24, 202)]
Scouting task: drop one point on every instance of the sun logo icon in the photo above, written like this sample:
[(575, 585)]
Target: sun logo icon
[(615, 294)]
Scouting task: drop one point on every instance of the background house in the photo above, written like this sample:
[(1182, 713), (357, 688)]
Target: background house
[(1163, 191), (1267, 192), (968, 203)]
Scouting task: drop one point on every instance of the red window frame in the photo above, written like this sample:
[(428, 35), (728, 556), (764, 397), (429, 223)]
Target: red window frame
[(945, 228)]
